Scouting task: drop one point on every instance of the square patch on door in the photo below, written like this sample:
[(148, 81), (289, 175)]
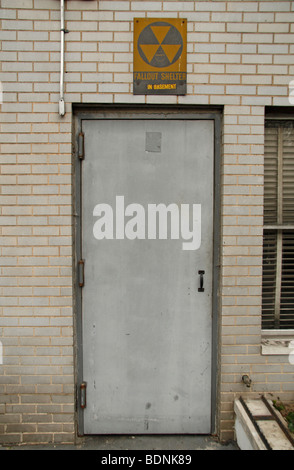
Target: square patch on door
[(153, 142)]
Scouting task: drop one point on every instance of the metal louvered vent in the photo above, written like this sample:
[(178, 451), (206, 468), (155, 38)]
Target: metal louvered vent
[(287, 284), (271, 176), (278, 292), (278, 248), (288, 175), (269, 279)]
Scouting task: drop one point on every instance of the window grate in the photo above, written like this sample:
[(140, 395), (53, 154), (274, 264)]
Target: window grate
[(278, 248)]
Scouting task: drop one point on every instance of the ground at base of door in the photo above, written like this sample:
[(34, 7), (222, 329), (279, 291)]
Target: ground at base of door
[(124, 443)]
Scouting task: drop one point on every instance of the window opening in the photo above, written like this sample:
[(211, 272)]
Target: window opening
[(278, 247)]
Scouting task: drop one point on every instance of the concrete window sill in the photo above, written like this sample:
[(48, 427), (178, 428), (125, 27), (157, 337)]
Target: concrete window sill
[(277, 342)]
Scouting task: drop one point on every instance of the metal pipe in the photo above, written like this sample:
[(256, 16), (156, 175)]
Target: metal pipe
[(62, 30)]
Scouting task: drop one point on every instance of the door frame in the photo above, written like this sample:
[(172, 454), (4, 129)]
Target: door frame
[(126, 112)]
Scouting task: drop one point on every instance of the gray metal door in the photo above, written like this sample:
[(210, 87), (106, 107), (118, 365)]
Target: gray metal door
[(147, 242)]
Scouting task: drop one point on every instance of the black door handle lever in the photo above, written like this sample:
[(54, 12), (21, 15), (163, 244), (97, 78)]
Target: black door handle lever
[(201, 274)]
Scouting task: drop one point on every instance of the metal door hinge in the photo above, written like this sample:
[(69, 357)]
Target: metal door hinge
[(81, 273), (81, 146), (83, 395)]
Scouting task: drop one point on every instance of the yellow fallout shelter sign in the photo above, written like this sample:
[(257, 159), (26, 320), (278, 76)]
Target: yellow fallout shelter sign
[(160, 56)]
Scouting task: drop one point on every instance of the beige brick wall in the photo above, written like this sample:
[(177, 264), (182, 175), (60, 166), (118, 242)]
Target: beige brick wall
[(240, 55)]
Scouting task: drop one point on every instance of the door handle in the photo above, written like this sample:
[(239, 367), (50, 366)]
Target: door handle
[(201, 274)]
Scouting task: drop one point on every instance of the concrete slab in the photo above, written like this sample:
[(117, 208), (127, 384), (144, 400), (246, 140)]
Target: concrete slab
[(256, 432), (133, 443)]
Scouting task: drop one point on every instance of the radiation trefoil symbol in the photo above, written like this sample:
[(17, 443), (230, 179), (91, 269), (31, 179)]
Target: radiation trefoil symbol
[(160, 44)]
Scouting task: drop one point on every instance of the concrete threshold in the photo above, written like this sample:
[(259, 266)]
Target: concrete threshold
[(133, 443)]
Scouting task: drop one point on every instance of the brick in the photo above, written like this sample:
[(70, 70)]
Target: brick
[(113, 5), (8, 14), (243, 6), (146, 6), (241, 90), (241, 69), (178, 6), (272, 90), (258, 38), (208, 6), (226, 37), (242, 48), (114, 26), (273, 6), (284, 17), (17, 4), (227, 17), (259, 17), (225, 58), (113, 88), (33, 15), (284, 38), (17, 46), (209, 68), (242, 27), (272, 49), (97, 36), (273, 28), (272, 69), (98, 15)]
